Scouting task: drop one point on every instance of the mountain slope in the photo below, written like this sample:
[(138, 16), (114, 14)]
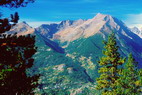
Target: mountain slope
[(74, 71), (94, 31), (60, 74)]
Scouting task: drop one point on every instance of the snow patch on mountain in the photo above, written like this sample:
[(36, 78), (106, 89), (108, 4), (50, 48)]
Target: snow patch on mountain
[(137, 31)]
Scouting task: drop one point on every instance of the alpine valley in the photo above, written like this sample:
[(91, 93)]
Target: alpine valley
[(68, 52)]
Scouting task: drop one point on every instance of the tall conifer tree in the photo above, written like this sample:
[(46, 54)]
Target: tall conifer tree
[(109, 67), (130, 78)]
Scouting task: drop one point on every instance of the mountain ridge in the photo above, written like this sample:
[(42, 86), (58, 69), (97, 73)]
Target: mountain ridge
[(68, 31), (89, 28), (72, 65)]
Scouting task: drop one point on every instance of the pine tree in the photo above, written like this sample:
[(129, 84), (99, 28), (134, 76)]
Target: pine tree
[(109, 67), (130, 78), (6, 24), (15, 56)]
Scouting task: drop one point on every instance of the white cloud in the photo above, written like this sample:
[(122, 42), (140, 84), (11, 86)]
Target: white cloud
[(134, 20)]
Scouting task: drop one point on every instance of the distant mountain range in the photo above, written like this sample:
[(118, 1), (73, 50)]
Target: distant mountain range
[(69, 31), (70, 50)]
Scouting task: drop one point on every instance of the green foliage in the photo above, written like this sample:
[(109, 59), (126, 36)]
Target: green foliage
[(63, 74), (79, 57), (6, 24), (130, 79), (109, 67), (15, 58), (15, 55)]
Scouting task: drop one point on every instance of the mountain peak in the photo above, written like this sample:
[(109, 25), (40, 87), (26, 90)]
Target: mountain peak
[(66, 22), (135, 28), (137, 31), (21, 29), (100, 14), (90, 27), (24, 22), (104, 17)]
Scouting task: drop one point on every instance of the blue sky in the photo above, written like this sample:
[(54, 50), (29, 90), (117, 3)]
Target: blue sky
[(47, 11)]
